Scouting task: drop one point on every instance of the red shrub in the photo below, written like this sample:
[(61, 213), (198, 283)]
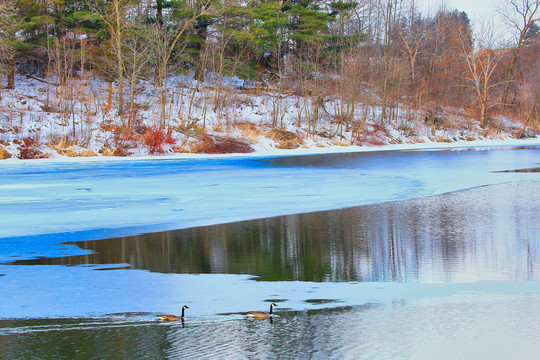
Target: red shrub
[(377, 136), (155, 138), (28, 149)]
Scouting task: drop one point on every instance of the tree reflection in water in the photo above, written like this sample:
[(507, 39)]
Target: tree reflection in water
[(478, 234)]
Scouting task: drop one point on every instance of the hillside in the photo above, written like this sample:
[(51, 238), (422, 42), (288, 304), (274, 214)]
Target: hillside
[(80, 120)]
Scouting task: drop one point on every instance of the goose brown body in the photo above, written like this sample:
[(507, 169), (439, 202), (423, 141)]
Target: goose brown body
[(169, 317), (261, 314)]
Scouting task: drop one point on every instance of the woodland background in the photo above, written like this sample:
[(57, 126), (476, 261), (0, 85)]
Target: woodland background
[(125, 77)]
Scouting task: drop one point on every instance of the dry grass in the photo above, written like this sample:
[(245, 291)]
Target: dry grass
[(415, 140), (107, 151), (284, 139), (249, 130), (441, 139), (339, 143), (4, 154), (208, 144), (86, 153)]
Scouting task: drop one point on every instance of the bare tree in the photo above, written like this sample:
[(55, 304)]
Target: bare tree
[(114, 15), (62, 61), (412, 38), (391, 11), (137, 53), (481, 64), (520, 15), (347, 91), (529, 93), (167, 41)]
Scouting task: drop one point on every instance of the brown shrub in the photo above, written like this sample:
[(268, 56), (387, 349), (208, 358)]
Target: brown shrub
[(249, 130), (285, 139), (281, 135), (107, 151), (207, 144), (86, 153), (71, 151), (123, 133), (28, 149), (408, 130), (125, 138), (378, 136), (245, 125), (4, 154), (434, 118), (339, 143), (441, 139)]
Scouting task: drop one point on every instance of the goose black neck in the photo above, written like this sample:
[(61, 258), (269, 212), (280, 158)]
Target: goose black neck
[(182, 312), (271, 309)]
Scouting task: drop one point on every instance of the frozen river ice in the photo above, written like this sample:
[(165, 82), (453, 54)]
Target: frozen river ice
[(76, 200)]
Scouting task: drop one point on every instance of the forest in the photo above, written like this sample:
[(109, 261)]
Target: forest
[(125, 77)]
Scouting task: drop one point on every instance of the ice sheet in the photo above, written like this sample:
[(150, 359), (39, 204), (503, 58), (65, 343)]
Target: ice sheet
[(43, 203)]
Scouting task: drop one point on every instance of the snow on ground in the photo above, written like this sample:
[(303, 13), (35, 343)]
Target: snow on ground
[(264, 149), (81, 120)]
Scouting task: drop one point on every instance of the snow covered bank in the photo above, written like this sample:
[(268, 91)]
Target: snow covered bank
[(33, 124), (262, 151)]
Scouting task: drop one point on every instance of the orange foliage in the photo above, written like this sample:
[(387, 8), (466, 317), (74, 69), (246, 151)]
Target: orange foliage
[(155, 137)]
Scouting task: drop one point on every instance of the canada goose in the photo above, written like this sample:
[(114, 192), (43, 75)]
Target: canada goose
[(173, 317), (261, 314)]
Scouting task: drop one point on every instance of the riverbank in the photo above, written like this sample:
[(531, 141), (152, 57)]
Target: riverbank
[(33, 125), (269, 151)]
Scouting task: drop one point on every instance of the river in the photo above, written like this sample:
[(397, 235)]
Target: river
[(432, 274)]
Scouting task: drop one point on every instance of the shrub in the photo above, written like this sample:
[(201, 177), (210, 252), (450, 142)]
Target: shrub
[(155, 138), (29, 149), (378, 135), (4, 154), (107, 151), (207, 144), (124, 139), (250, 131), (122, 134), (281, 135), (408, 130), (285, 139), (434, 118)]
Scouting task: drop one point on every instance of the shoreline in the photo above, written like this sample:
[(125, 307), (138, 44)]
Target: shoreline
[(274, 152)]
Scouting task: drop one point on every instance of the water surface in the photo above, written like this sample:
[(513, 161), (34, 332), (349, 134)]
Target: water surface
[(43, 203), (448, 276), (423, 270)]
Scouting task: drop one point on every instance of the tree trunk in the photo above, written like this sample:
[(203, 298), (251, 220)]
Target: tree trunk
[(159, 12), (482, 115), (509, 76), (11, 74), (202, 34), (120, 93), (119, 60), (529, 114)]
